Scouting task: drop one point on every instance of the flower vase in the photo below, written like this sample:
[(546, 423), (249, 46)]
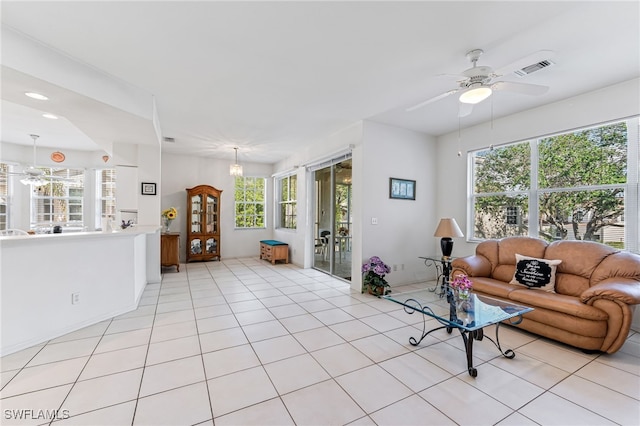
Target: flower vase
[(462, 299), (166, 224)]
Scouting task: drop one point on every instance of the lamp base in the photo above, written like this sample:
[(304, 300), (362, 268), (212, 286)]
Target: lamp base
[(446, 244)]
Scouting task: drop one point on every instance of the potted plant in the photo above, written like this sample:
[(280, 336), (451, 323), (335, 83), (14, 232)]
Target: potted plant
[(374, 271)]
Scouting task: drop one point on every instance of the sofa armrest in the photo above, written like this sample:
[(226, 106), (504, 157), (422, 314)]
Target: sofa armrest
[(618, 289), (473, 266)]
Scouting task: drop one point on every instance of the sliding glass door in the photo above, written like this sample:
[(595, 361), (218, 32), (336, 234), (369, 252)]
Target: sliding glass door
[(333, 218)]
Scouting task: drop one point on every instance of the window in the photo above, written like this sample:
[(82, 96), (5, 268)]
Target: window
[(569, 186), (59, 202), (250, 204), (4, 195), (287, 200), (105, 194), (501, 185)]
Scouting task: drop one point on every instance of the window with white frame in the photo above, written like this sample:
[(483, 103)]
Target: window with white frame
[(250, 195), (287, 201), (4, 196), (579, 185), (60, 200), (105, 194)]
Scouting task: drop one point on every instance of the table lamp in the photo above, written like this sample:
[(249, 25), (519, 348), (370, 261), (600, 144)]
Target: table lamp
[(447, 229)]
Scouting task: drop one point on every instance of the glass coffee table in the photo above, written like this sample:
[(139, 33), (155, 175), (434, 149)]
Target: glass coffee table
[(469, 317)]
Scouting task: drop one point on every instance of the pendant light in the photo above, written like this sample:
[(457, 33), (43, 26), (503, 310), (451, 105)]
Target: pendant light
[(235, 169)]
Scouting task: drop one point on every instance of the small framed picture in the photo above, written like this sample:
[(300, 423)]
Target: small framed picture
[(402, 189), (148, 188)]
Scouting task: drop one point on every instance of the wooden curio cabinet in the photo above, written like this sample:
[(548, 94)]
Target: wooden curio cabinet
[(203, 223)]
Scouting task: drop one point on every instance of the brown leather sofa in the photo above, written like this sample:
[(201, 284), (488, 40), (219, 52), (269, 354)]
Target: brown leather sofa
[(596, 288)]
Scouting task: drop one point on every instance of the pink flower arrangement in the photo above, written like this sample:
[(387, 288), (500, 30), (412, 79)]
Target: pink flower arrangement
[(374, 271), (461, 282)]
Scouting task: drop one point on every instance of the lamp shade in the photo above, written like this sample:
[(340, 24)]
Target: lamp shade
[(448, 228)]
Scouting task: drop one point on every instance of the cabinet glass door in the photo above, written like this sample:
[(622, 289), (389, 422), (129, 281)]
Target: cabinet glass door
[(195, 246), (196, 213), (212, 216), (212, 246)]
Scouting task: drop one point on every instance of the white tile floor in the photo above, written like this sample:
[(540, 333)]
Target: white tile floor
[(242, 342)]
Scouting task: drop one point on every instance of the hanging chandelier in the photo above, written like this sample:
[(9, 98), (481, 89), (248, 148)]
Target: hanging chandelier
[(235, 169)]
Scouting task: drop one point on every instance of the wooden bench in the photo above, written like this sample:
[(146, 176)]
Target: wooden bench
[(273, 250)]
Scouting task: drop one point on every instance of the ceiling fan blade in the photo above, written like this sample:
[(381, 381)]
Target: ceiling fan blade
[(524, 88), (428, 101), (531, 59), (465, 109)]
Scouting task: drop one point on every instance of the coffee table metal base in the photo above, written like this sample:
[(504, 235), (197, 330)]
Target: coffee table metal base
[(468, 336)]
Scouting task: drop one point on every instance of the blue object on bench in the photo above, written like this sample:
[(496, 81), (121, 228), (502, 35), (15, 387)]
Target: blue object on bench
[(273, 243)]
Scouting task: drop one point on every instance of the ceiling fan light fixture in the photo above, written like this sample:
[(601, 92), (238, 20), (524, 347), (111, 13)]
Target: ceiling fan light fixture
[(475, 95), (235, 169)]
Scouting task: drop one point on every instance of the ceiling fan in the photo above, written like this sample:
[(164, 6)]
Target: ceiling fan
[(34, 176), (478, 82)]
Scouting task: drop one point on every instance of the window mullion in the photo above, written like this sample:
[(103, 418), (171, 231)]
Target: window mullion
[(534, 207), (632, 195)]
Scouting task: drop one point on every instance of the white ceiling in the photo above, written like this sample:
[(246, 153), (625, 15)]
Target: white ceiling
[(271, 77)]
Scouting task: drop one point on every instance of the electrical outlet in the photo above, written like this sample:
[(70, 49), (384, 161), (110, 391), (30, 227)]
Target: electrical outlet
[(395, 267), (75, 298), (374, 220)]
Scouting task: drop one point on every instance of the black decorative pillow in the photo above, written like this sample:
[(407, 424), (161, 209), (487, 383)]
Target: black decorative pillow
[(536, 273)]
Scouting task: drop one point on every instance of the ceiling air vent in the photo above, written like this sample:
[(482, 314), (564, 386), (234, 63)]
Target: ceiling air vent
[(170, 140), (530, 69)]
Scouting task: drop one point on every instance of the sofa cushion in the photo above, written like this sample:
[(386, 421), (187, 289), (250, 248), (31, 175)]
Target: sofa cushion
[(622, 264), (535, 273), (492, 287), (579, 261), (570, 284), (558, 302), (508, 247)]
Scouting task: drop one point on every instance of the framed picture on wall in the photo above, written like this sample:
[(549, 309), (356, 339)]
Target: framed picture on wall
[(148, 188), (402, 189)]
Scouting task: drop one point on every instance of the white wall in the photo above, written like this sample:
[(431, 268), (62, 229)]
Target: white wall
[(405, 227), (180, 172)]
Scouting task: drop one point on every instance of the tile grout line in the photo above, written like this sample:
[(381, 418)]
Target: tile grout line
[(146, 355), (73, 385), (204, 369)]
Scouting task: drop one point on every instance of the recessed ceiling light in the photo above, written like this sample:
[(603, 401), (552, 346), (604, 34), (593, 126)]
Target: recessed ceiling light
[(50, 116), (37, 96)]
